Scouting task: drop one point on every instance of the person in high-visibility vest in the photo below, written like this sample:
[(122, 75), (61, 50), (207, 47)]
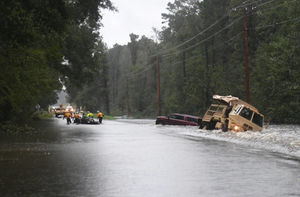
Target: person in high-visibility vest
[(90, 115), (68, 116), (100, 116), (77, 118)]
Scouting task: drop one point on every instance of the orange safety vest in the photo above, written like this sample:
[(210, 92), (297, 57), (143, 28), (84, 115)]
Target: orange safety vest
[(68, 115), (100, 115)]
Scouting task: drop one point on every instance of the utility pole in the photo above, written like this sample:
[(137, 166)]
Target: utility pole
[(246, 56), (127, 99), (158, 84)]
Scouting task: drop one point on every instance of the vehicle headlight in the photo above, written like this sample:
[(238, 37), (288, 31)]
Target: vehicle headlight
[(236, 128)]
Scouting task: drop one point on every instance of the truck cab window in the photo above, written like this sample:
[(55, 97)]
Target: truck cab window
[(246, 113), (257, 119)]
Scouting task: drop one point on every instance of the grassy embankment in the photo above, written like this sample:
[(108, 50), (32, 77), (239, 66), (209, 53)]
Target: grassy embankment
[(22, 131), (41, 115), (106, 117)]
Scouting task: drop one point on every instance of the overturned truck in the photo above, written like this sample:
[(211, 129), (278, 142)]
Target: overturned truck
[(232, 113)]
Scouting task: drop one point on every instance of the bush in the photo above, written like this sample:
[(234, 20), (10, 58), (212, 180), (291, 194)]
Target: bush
[(41, 115), (9, 129)]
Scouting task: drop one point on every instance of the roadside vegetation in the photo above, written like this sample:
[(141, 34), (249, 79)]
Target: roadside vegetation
[(43, 45), (11, 132), (200, 51), (40, 115)]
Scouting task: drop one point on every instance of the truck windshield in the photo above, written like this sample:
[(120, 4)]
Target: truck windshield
[(246, 113), (257, 119)]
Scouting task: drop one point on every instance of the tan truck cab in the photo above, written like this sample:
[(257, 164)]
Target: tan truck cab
[(59, 111), (232, 113)]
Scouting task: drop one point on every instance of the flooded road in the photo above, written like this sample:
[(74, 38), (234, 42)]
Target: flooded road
[(137, 158)]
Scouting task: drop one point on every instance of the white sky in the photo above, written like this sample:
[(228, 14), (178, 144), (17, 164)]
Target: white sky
[(133, 16)]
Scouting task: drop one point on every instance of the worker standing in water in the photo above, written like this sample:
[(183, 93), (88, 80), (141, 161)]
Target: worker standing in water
[(77, 118), (100, 116), (68, 115)]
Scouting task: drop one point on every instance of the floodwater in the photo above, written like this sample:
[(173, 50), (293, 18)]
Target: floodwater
[(136, 158)]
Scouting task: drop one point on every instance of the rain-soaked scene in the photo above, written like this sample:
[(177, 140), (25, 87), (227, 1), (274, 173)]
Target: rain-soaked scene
[(138, 158), (114, 98)]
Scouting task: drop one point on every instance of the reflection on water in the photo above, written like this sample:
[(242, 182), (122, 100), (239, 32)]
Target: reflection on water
[(126, 159)]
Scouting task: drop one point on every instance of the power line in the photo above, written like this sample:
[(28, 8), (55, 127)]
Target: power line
[(192, 38), (131, 75), (228, 41), (192, 46), (265, 3), (260, 27), (200, 33), (242, 5), (145, 70), (279, 23), (137, 71), (274, 6), (198, 43)]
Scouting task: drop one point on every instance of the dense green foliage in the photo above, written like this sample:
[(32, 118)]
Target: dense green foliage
[(202, 53), (44, 44)]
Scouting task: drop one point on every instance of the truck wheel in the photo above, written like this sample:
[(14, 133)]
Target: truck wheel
[(212, 125), (225, 126), (201, 125)]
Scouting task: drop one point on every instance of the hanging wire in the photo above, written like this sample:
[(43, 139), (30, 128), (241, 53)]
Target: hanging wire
[(205, 39), (149, 66)]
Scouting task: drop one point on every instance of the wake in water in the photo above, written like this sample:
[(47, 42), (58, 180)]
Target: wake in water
[(277, 138)]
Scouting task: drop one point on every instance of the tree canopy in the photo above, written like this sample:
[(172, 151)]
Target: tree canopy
[(201, 51), (44, 44)]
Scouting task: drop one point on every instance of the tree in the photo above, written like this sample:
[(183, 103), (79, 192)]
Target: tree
[(35, 38), (202, 49)]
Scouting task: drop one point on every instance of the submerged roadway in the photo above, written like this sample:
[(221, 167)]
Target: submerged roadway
[(136, 158)]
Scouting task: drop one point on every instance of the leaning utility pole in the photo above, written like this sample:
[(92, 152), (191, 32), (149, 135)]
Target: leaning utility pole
[(246, 56), (158, 85)]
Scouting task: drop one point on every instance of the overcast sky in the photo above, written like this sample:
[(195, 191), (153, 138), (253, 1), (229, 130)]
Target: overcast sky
[(133, 16)]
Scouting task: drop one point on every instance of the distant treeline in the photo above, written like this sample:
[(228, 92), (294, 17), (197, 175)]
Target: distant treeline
[(201, 52), (43, 45)]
